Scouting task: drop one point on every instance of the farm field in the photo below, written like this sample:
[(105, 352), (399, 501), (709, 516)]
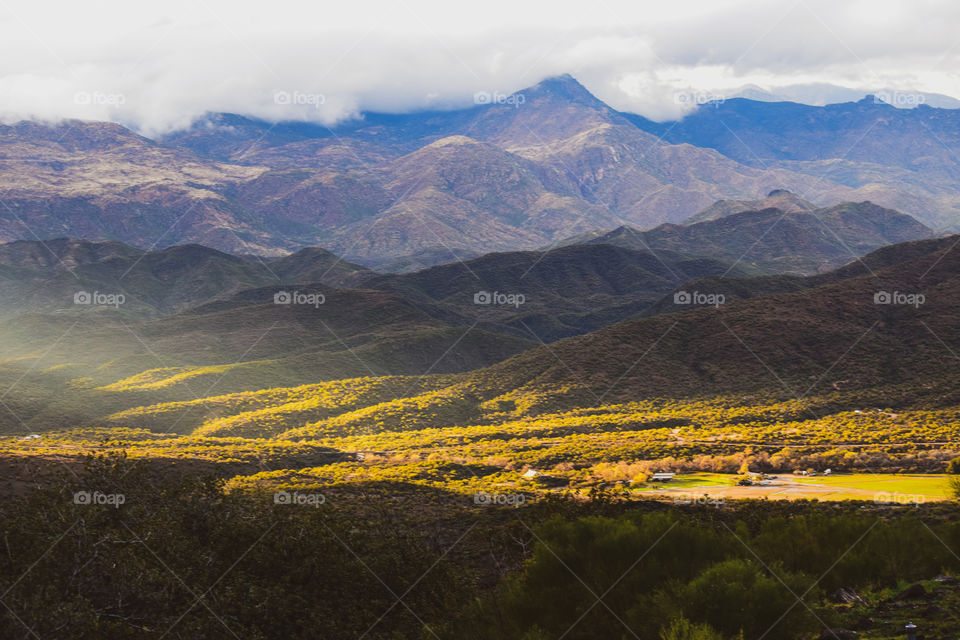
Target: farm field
[(882, 488)]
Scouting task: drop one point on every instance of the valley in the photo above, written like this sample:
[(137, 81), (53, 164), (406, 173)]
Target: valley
[(784, 373), (543, 366)]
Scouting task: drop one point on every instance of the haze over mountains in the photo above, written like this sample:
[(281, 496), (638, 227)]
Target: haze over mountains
[(194, 320), (405, 191)]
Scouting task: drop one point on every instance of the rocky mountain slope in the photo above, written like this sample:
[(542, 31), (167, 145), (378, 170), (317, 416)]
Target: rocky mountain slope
[(776, 240), (417, 188), (886, 321), (900, 158)]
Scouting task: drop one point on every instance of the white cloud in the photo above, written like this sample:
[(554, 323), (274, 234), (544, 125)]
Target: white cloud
[(158, 67)]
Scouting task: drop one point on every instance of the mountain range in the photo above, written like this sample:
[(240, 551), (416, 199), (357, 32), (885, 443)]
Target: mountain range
[(194, 321), (581, 284), (517, 253), (885, 320), (777, 240), (823, 93), (834, 332), (407, 191), (900, 158)]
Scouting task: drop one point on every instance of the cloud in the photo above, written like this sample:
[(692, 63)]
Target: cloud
[(158, 68)]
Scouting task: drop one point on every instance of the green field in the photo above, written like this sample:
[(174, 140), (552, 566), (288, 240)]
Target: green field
[(934, 486), (882, 488), (690, 481)]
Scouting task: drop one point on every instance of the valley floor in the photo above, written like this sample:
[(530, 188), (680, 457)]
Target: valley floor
[(880, 488)]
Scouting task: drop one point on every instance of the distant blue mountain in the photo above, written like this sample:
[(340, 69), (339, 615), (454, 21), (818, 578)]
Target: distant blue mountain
[(868, 130)]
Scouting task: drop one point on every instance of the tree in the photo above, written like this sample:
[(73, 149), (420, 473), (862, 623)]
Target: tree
[(737, 596), (955, 486), (683, 629), (953, 467)]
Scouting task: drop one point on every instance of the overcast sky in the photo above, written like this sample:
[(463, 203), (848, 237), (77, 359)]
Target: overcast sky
[(159, 65)]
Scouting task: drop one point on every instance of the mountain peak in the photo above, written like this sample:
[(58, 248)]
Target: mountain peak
[(562, 80), (453, 141), (565, 87), (782, 199), (872, 99), (75, 135)]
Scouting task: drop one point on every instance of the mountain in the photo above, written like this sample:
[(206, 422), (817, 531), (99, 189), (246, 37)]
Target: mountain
[(98, 180), (197, 321), (821, 93), (900, 158), (422, 259), (316, 265), (867, 131), (45, 276), (565, 291), (757, 286), (74, 365), (516, 173), (885, 319), (497, 177), (776, 199), (852, 330), (813, 337), (550, 162), (774, 240), (462, 194), (586, 283), (828, 334)]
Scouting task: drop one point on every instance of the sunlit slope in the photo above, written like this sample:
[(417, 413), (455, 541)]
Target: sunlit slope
[(825, 339), (70, 369), (267, 412), (809, 340)]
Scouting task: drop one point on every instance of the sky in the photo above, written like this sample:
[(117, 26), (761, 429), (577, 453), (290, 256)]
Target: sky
[(159, 66)]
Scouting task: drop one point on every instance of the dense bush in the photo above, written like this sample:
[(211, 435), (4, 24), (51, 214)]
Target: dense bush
[(181, 558), (666, 577)]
